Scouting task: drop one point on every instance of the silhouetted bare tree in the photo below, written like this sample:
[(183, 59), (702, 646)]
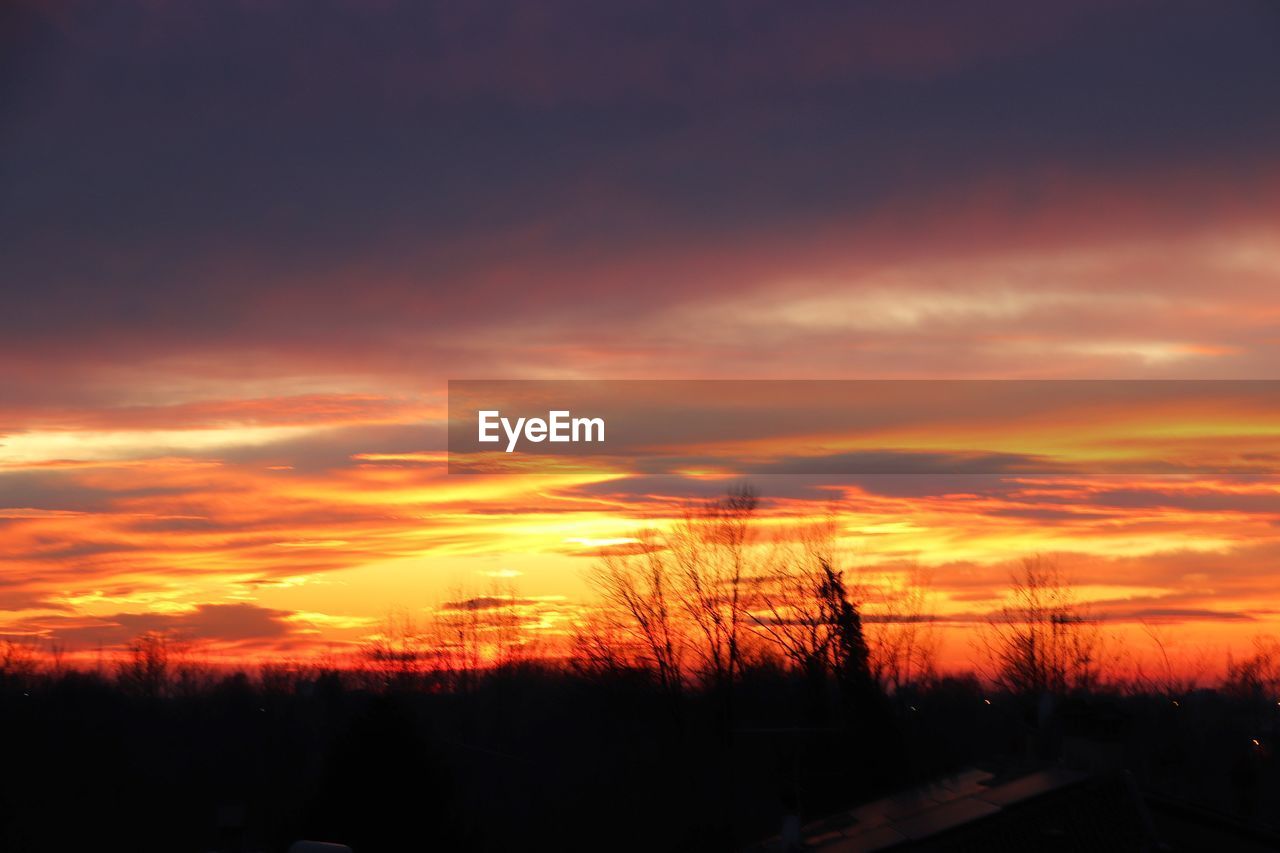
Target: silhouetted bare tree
[(712, 553), (19, 662), (790, 608), (902, 638), (639, 604), (400, 649), (150, 663), (1258, 675), (1041, 641)]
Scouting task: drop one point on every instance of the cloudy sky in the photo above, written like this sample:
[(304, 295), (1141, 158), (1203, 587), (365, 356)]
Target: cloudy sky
[(243, 246)]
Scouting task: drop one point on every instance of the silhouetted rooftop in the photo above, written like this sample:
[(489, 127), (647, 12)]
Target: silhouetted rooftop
[(1050, 809)]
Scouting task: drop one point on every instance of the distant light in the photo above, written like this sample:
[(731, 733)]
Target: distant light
[(1255, 742), (912, 707), (988, 701), (1175, 704)]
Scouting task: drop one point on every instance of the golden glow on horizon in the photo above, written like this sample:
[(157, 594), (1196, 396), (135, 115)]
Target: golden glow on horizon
[(304, 557)]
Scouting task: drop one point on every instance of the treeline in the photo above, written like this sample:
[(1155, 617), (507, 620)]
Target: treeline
[(691, 607), (727, 676), (171, 756), (723, 590), (175, 757)]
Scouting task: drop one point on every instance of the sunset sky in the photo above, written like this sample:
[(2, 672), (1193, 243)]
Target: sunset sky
[(244, 246)]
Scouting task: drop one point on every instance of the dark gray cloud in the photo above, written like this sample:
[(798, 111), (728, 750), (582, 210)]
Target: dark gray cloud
[(1178, 614), (225, 623), (489, 602), (317, 183)]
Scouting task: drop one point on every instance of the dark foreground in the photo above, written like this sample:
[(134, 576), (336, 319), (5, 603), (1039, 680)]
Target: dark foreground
[(536, 758)]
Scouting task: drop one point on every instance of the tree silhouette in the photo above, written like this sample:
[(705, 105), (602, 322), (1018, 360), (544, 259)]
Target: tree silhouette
[(1041, 641)]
